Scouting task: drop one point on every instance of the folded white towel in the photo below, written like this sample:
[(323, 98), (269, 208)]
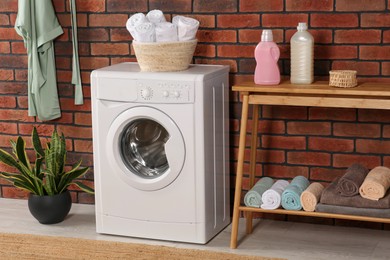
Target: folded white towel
[(155, 16), (135, 20), (166, 32), (186, 27), (272, 198), (145, 32)]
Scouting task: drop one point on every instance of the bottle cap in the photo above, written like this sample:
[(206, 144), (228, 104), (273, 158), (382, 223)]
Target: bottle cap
[(302, 27), (267, 36)]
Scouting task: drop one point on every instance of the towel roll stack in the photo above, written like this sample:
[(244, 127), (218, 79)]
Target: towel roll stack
[(272, 198), (291, 196), (253, 196)]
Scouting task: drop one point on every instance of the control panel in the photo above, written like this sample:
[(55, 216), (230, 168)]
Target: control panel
[(164, 91)]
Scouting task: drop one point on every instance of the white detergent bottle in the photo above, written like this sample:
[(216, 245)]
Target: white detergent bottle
[(267, 55), (302, 56)]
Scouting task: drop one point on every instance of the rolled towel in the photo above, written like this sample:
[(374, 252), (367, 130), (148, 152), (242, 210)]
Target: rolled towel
[(135, 20), (253, 196), (155, 16), (311, 196), (291, 196), (351, 181), (376, 184), (166, 32), (273, 197), (186, 27), (145, 32)]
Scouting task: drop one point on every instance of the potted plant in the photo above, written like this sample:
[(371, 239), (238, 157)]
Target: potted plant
[(47, 179)]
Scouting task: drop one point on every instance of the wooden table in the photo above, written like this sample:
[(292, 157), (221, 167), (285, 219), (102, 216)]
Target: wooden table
[(318, 94)]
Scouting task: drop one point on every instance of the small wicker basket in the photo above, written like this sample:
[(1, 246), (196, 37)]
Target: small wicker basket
[(164, 56), (342, 78)]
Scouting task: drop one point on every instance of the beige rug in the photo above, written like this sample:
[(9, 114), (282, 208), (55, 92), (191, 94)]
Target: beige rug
[(18, 246)]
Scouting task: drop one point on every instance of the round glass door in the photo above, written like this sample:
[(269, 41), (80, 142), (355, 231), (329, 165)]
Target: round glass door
[(145, 148)]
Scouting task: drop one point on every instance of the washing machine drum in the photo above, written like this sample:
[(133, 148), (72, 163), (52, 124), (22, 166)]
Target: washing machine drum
[(147, 148)]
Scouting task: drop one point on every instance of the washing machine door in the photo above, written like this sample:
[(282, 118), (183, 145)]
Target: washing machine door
[(146, 148)]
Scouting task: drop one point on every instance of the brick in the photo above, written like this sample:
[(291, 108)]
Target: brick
[(386, 36), (360, 5), (336, 114), (4, 19), (9, 34), (374, 115), (283, 142), (171, 5), (357, 36), (92, 63), (205, 50), (386, 161), (108, 20), (365, 68), (85, 198), (4, 47), (18, 48), (6, 74), (8, 128), (307, 5), (220, 6), (385, 68), (83, 119), (254, 35), (15, 115), (375, 52), (9, 6), (120, 35), (346, 160), (381, 20), (63, 63), (309, 158), (93, 6), (331, 144), (261, 5), (334, 20), (271, 127), (83, 146), (386, 131), (231, 63), (14, 193), (247, 65), (205, 20), (285, 172), (21, 75), (110, 49), (217, 36), (284, 112), (234, 51), (64, 19), (93, 34), (283, 20), (335, 52), (59, 6), (238, 20), (7, 102), (75, 131), (66, 118), (325, 174), (372, 146), (13, 88), (356, 130), (134, 6), (309, 128), (67, 104), (87, 159), (268, 156), (43, 130)]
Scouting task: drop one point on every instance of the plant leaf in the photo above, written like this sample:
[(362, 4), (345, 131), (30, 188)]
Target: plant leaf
[(71, 175), (21, 152), (84, 187), (37, 143)]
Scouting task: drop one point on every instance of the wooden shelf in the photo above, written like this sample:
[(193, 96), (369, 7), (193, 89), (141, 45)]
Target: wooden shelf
[(318, 94)]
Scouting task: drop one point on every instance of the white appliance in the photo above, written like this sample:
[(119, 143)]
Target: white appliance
[(160, 142)]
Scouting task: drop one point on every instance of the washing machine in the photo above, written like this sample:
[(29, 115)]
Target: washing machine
[(160, 143)]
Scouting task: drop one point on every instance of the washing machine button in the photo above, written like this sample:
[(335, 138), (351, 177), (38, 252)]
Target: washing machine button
[(176, 94), (165, 94), (146, 93)]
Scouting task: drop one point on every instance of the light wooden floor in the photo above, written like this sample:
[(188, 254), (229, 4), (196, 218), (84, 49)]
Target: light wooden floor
[(270, 238)]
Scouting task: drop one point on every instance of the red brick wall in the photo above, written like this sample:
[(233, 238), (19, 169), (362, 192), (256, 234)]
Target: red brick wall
[(316, 142)]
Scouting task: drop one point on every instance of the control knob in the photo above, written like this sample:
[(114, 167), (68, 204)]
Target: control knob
[(165, 93), (146, 93), (176, 94)]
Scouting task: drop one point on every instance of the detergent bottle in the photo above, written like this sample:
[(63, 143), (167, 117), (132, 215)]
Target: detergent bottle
[(267, 55)]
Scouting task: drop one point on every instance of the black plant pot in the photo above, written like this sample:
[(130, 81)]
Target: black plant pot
[(50, 209)]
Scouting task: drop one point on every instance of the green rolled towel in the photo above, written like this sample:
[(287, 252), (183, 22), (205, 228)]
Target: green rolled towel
[(253, 196), (291, 195)]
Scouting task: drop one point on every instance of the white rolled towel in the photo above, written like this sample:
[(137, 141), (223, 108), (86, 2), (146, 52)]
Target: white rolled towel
[(135, 20), (166, 32), (145, 32), (155, 16), (272, 198), (186, 27)]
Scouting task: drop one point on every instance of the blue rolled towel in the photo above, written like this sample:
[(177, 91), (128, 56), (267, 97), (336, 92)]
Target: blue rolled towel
[(291, 195), (253, 196)]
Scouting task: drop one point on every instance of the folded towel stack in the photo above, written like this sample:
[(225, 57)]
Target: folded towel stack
[(291, 196), (376, 184), (349, 184), (253, 196), (272, 198), (311, 196), (154, 28)]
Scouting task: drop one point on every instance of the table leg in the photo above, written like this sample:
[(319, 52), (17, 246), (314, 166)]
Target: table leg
[(252, 162), (240, 165)]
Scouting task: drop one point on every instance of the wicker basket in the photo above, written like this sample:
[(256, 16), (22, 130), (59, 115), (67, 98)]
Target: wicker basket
[(342, 78), (164, 56)]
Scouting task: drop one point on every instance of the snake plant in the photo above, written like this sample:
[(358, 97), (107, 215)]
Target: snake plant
[(48, 175)]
